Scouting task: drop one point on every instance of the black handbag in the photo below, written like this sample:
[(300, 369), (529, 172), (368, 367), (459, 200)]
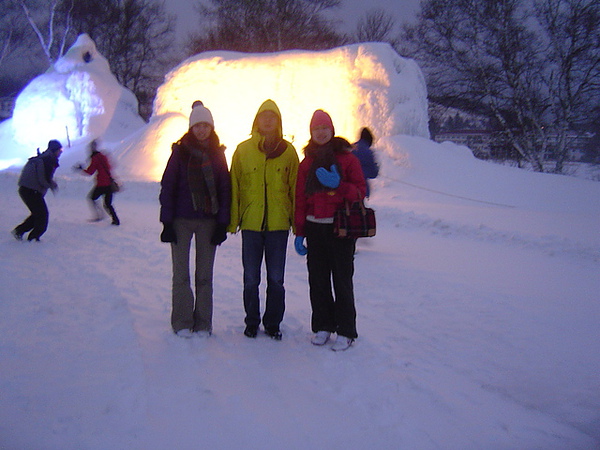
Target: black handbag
[(114, 186), (354, 220)]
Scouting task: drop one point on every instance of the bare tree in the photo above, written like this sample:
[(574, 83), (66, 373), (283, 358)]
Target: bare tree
[(135, 36), (53, 40), (480, 56), (11, 30), (265, 26), (93, 17), (138, 47), (571, 29), (377, 25), (535, 71)]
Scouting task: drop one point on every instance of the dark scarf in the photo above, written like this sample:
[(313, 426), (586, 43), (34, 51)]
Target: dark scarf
[(273, 151), (324, 156), (201, 178)]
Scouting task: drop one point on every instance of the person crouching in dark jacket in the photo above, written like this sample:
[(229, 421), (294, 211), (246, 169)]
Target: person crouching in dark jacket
[(36, 178), (195, 200)]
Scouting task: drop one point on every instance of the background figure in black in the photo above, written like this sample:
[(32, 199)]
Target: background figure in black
[(364, 153), (36, 178), (100, 165)]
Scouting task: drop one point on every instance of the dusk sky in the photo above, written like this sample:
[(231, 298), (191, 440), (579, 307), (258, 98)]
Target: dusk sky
[(349, 12)]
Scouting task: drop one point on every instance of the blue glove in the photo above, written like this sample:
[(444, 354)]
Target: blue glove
[(331, 179), (299, 246)]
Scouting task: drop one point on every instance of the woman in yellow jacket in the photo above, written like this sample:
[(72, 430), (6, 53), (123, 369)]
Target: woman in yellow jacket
[(263, 178)]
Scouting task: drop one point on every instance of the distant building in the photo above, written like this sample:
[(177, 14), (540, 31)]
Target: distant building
[(483, 142), (577, 144), (479, 141)]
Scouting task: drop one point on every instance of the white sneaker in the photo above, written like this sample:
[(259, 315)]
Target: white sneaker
[(342, 343), (185, 333), (203, 334), (320, 338)]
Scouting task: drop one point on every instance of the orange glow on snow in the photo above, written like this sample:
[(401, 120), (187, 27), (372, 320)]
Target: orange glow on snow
[(234, 90), (358, 85)]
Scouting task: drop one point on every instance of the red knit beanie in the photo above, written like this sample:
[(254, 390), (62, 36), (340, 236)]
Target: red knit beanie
[(321, 118)]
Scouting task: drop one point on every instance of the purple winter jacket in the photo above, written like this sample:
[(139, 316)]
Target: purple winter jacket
[(175, 196)]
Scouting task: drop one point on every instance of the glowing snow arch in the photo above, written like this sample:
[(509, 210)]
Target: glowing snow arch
[(359, 85)]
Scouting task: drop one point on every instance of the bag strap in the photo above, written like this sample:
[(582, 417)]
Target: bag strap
[(360, 202), (347, 206)]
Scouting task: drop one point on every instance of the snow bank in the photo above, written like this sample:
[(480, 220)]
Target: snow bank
[(478, 324)]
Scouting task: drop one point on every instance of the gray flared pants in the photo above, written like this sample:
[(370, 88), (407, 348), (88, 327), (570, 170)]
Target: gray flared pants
[(188, 312)]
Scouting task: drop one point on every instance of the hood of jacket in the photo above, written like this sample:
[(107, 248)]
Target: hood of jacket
[(268, 105)]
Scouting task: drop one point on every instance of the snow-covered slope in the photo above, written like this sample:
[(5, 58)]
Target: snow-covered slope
[(477, 314)]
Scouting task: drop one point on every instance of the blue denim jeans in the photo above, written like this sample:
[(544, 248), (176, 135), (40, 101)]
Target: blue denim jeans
[(273, 245)]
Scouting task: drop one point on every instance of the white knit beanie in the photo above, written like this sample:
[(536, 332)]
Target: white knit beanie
[(200, 114)]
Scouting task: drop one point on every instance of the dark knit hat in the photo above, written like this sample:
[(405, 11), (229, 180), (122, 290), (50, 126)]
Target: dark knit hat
[(54, 145), (366, 135)]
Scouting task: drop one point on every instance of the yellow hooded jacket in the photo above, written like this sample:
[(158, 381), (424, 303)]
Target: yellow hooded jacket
[(262, 188)]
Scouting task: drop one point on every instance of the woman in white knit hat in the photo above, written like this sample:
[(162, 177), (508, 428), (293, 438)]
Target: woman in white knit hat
[(195, 202)]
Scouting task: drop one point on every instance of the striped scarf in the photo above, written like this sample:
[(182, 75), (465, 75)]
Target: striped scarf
[(201, 180)]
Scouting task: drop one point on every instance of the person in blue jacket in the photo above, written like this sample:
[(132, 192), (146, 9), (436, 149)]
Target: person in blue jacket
[(364, 152), (195, 201)]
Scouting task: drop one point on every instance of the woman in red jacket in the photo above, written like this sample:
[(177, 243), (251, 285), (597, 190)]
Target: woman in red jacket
[(329, 174), (100, 165)]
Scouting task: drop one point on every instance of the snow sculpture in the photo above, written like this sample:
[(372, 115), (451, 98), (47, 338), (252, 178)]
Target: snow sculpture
[(359, 85), (78, 99)]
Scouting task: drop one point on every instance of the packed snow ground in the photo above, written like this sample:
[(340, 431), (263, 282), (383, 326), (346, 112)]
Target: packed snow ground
[(478, 306)]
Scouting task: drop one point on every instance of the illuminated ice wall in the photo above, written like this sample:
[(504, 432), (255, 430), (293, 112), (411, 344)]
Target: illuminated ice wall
[(359, 85)]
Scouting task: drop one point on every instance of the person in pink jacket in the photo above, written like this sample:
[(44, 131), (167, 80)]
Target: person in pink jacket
[(329, 174), (100, 165)]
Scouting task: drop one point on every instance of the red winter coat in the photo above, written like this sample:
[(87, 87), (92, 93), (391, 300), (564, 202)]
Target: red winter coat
[(324, 204), (99, 163)]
